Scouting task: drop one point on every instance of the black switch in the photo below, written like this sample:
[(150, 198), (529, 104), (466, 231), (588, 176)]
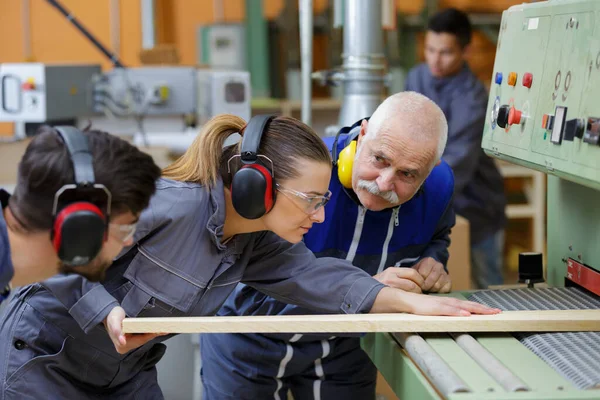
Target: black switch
[(550, 122), (592, 132), (502, 119), (573, 129), (531, 268)]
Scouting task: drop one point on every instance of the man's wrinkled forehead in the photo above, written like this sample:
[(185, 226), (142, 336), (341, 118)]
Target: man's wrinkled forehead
[(390, 133), (402, 140)]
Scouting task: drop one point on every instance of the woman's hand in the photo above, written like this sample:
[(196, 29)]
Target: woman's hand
[(391, 300)]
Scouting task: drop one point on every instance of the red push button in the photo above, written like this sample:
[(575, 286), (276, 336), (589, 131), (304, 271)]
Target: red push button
[(514, 116), (29, 84), (528, 80), (512, 79)]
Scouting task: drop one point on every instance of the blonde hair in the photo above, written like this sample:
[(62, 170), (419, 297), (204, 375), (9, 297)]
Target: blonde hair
[(285, 141), (200, 163)]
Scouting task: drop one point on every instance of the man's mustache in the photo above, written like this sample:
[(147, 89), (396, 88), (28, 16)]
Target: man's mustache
[(371, 187)]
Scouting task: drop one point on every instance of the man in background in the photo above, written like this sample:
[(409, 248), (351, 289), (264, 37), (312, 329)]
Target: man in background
[(446, 79)]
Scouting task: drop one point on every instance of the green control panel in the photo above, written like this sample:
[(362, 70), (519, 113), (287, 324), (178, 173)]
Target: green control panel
[(542, 113), (544, 110)]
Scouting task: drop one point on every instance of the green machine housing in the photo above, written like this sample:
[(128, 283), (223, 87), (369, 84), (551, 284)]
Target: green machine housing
[(544, 114)]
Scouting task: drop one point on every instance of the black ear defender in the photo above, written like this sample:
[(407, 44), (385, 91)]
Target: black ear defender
[(253, 185), (80, 225)]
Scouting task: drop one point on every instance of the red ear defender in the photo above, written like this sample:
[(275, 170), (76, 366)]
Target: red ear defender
[(252, 191), (79, 232), (268, 194), (79, 228), (253, 186)]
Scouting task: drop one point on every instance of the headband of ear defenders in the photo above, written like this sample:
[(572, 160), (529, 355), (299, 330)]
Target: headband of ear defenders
[(353, 135)]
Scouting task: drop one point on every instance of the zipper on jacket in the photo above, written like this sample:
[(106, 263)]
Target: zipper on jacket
[(384, 252), (360, 220)]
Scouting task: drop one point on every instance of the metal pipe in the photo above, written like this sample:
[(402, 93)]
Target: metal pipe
[(306, 57), (437, 370), (148, 24), (363, 60), (509, 381), (113, 58), (363, 36)]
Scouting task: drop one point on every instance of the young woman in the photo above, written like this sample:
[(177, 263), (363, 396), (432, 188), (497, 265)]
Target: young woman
[(219, 217)]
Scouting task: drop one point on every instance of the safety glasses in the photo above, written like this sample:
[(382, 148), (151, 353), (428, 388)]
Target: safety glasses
[(122, 232), (310, 204)]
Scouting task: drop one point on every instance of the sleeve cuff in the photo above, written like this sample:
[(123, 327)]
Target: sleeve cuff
[(361, 296), (92, 308)]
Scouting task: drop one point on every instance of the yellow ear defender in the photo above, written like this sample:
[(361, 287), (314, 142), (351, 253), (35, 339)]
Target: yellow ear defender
[(345, 158), (344, 163)]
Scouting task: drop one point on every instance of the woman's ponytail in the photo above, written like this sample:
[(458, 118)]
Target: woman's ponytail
[(201, 161)]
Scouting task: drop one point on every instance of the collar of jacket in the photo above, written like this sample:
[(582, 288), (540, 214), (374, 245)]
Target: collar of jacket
[(216, 222)]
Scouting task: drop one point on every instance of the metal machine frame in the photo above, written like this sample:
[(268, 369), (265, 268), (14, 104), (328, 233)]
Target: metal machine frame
[(542, 114)]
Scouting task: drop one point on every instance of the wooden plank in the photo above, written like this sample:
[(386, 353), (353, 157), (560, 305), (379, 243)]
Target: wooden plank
[(508, 321)]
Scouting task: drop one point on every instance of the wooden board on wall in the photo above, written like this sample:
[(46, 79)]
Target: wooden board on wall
[(479, 6), (6, 128), (55, 39), (410, 7), (50, 30), (11, 45)]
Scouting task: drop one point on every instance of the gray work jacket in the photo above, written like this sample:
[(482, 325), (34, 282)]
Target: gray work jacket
[(178, 266)]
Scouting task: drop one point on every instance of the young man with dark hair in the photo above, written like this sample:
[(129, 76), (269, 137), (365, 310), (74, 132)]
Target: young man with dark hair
[(40, 224), (446, 79)]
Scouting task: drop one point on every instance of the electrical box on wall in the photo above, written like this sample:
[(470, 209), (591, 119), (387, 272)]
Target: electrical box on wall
[(222, 46), (223, 92), (542, 111), (39, 92), (146, 91)]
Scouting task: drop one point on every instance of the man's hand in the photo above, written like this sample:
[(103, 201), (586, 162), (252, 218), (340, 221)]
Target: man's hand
[(125, 343), (436, 280), (407, 279)]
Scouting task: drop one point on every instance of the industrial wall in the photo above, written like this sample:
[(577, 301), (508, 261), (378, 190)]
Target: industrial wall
[(46, 36)]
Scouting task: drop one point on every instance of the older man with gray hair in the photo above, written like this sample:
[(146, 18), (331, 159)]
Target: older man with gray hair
[(390, 214)]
